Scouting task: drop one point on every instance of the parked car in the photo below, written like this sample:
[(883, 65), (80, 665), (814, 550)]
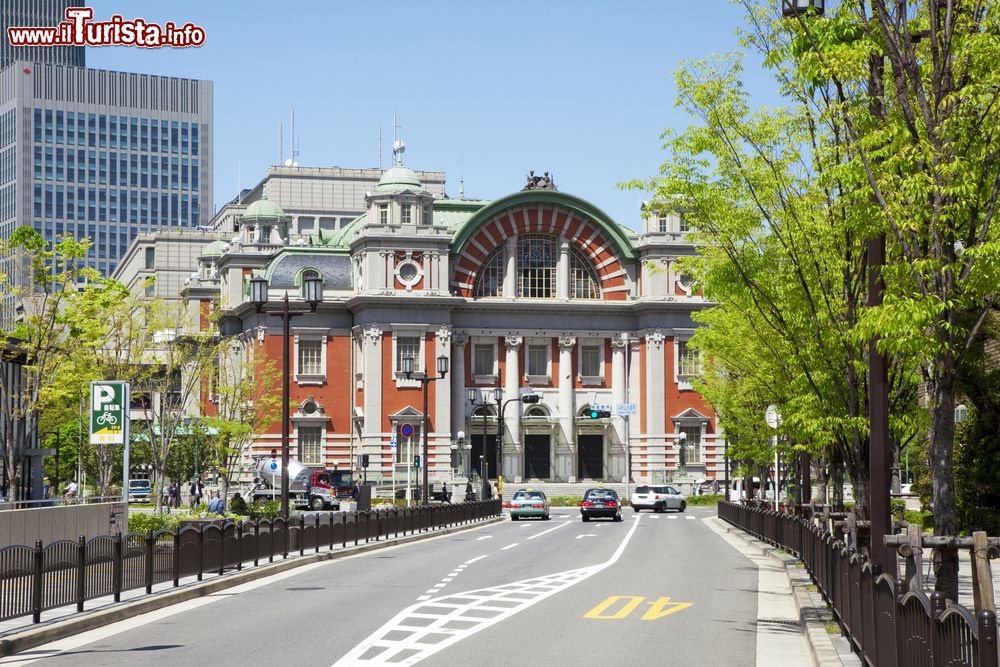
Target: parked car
[(658, 499), (529, 502), (139, 490), (600, 503)]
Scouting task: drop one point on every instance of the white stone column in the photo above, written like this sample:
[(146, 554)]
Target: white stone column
[(618, 382), (458, 341), (510, 272), (567, 409), (371, 438), (655, 418), (562, 270), (512, 384), (440, 449)]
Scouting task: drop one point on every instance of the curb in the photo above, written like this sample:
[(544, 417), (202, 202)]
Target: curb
[(43, 633), (812, 609)]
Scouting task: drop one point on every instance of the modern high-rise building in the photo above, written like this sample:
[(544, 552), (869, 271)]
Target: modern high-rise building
[(103, 155), (40, 13)]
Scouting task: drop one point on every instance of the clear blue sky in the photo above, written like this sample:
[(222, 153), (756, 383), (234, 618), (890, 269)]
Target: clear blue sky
[(582, 89)]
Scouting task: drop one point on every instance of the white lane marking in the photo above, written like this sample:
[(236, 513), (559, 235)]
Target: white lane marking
[(447, 579), (510, 546), (689, 517), (548, 531), (654, 516), (672, 517), (484, 537), (424, 597), (473, 560), (580, 537), (411, 643)]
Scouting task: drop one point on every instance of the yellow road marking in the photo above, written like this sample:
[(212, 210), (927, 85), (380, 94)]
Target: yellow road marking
[(659, 609), (598, 611)]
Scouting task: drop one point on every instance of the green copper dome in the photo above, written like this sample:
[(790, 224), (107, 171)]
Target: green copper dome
[(215, 249), (264, 209), (397, 179)]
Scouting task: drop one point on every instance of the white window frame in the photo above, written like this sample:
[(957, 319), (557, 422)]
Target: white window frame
[(479, 378), (683, 380), (404, 331), (662, 223), (534, 378), (590, 379), (696, 448), (299, 428), (383, 214), (311, 336), (405, 213)]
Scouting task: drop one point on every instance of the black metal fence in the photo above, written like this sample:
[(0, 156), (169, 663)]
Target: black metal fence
[(39, 578), (887, 625)]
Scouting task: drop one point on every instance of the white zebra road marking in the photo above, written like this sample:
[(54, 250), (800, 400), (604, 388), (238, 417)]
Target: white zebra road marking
[(425, 628)]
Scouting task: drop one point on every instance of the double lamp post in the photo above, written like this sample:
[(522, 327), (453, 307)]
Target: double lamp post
[(442, 372), (312, 293)]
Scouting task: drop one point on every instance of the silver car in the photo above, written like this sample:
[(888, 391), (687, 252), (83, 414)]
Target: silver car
[(658, 499)]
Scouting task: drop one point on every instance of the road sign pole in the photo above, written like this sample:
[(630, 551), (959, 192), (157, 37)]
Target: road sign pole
[(125, 454), (392, 448), (409, 468)]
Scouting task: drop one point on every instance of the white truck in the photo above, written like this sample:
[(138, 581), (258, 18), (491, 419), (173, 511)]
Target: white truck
[(312, 488)]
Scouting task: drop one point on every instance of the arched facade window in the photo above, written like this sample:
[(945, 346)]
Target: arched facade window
[(308, 273), (537, 256), (583, 282), (489, 282)]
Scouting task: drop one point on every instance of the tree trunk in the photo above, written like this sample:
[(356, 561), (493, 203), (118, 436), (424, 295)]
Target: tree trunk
[(819, 491), (837, 477), (942, 394)]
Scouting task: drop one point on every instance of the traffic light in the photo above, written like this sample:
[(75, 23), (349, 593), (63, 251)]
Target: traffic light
[(600, 414), (364, 460), (416, 461)]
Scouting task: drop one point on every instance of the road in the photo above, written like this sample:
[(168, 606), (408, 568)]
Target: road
[(655, 589)]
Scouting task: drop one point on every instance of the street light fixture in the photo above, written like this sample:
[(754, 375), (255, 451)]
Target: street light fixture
[(794, 8), (442, 372), (312, 293), (473, 394), (527, 399)]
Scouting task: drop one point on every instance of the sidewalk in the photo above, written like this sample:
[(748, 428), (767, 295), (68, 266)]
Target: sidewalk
[(791, 619)]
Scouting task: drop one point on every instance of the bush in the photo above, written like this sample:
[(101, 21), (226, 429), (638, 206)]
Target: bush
[(695, 501), (263, 509), (145, 521)]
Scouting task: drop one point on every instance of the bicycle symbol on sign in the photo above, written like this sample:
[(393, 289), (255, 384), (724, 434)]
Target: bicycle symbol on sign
[(107, 418)]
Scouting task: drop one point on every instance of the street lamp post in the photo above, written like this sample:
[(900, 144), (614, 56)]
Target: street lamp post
[(472, 394), (442, 372), (313, 295), (527, 399)]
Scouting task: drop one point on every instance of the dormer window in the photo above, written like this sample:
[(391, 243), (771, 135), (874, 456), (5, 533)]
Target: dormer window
[(383, 214), (405, 216), (306, 275), (663, 224)]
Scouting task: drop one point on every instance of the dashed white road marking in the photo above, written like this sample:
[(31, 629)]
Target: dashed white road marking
[(580, 537), (484, 537), (689, 517), (672, 517), (424, 597), (654, 516), (425, 628), (547, 531), (510, 546)]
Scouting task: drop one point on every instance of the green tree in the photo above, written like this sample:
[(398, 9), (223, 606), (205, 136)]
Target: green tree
[(43, 278), (915, 87), (242, 391)]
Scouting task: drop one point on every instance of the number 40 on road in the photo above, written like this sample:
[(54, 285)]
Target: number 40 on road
[(618, 607)]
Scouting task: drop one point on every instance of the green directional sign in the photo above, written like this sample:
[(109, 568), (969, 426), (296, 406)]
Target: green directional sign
[(108, 412)]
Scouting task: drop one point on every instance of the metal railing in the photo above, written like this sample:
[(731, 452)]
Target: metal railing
[(40, 578), (887, 624)]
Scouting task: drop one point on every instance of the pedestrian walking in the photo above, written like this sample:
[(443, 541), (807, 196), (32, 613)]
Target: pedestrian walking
[(444, 493), (173, 495), (195, 492), (469, 495), (356, 491)]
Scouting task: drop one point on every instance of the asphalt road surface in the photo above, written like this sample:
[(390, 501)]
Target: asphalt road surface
[(655, 589)]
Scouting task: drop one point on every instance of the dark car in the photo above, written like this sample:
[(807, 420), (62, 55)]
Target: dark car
[(601, 503)]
